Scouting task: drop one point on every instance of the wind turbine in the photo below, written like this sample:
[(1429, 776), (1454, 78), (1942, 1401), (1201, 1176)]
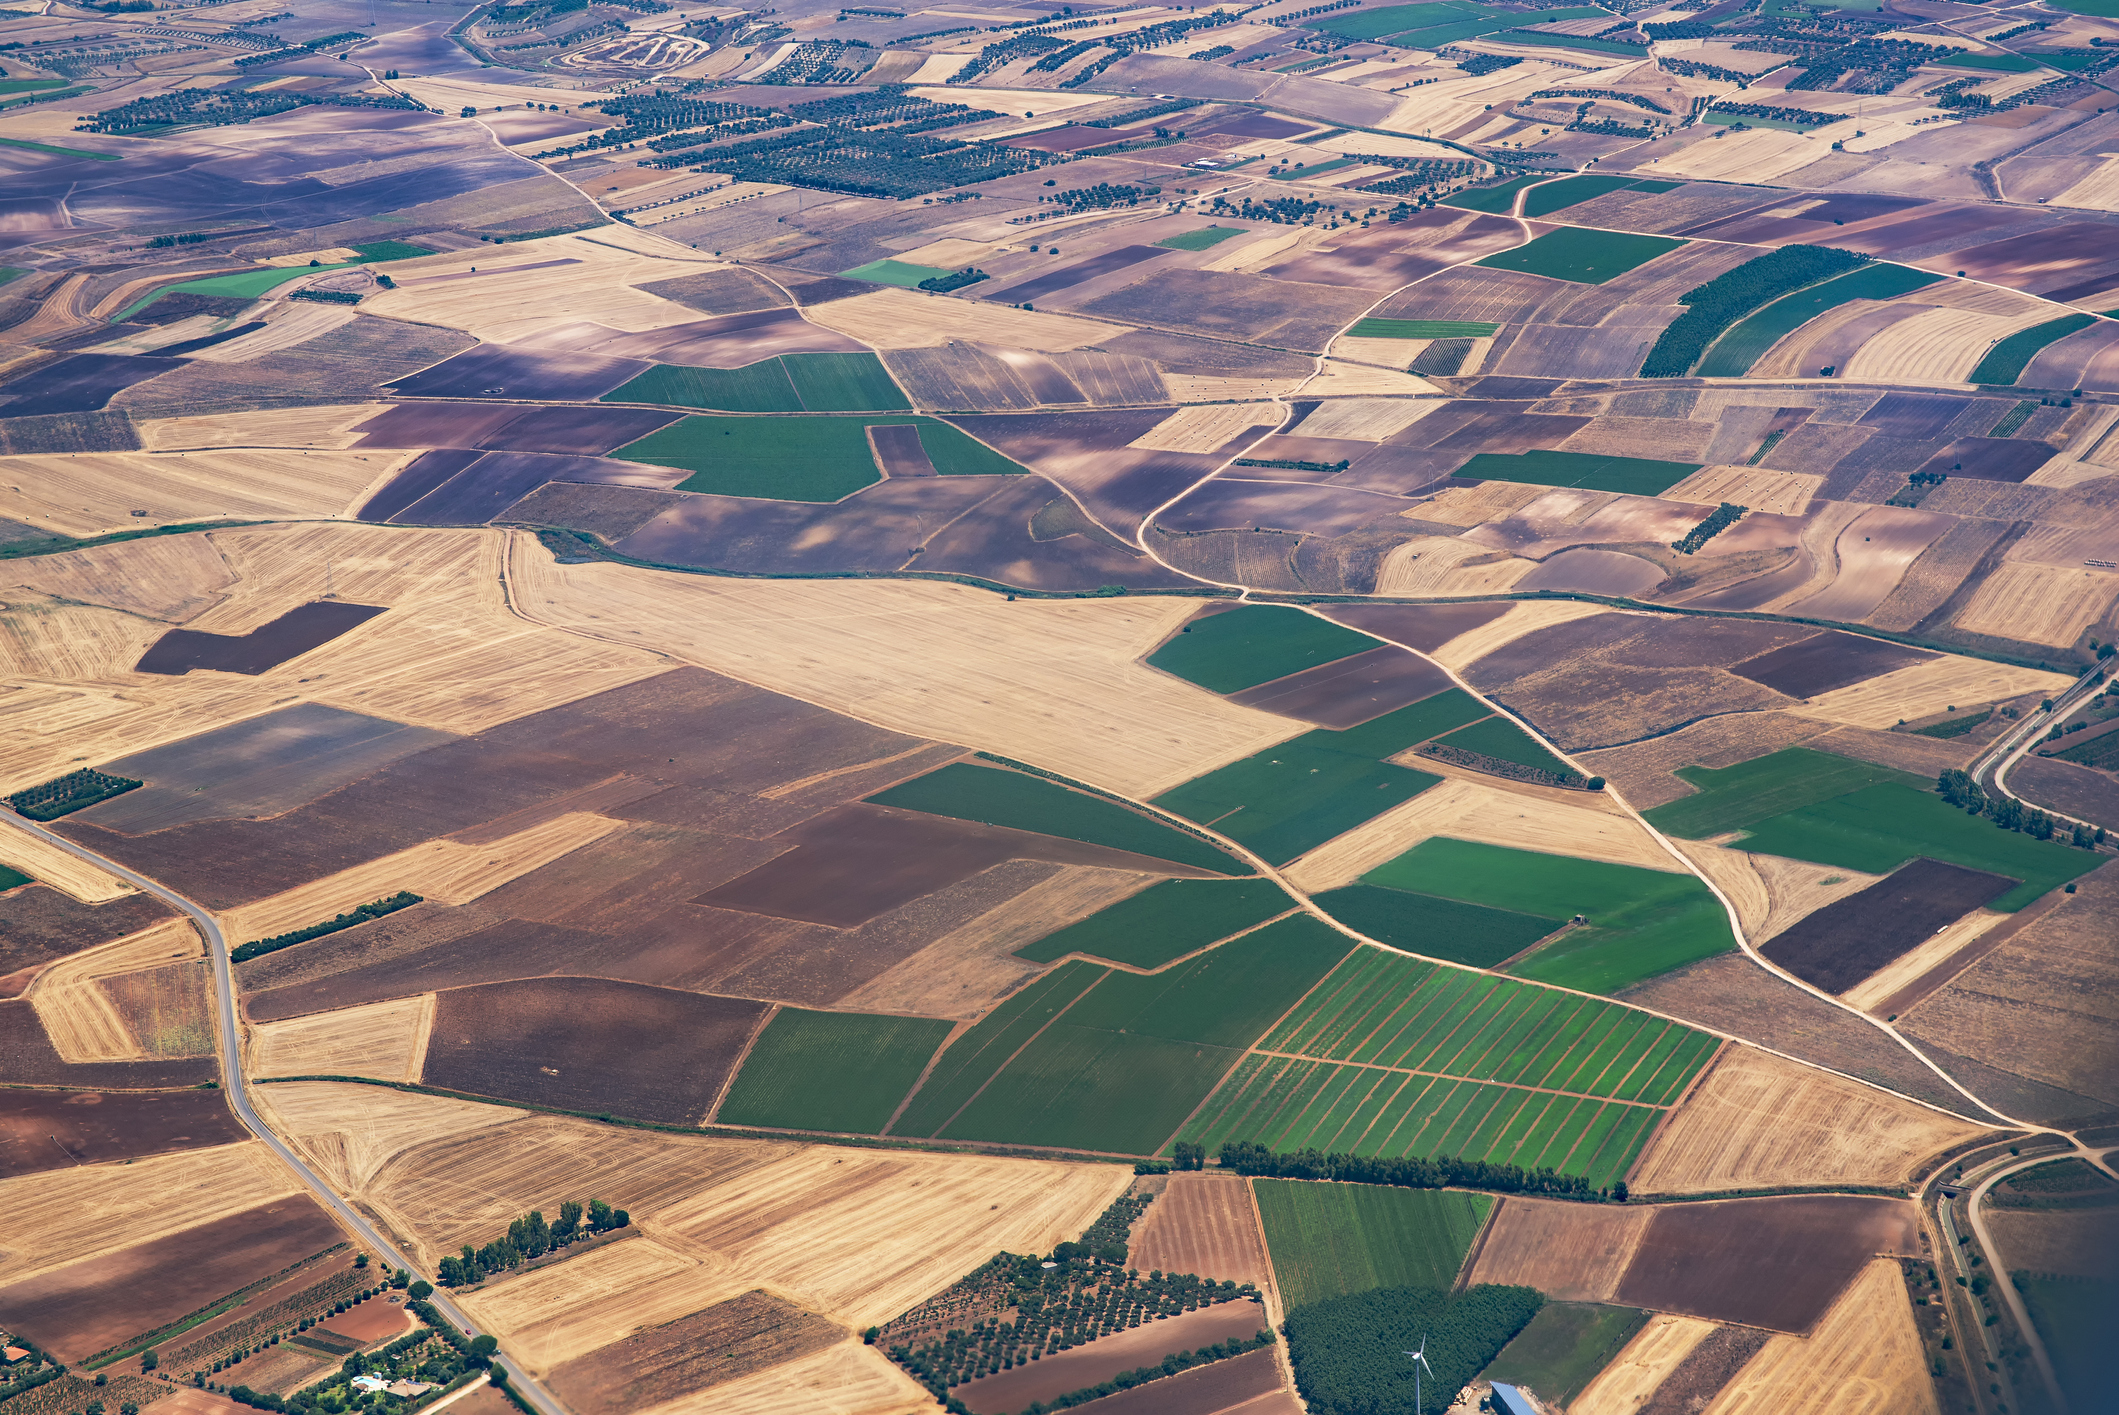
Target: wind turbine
[(1419, 1360)]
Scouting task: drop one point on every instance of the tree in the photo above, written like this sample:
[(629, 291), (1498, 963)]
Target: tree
[(421, 1291), (569, 1221), (150, 1359), (361, 1261), (1619, 1192), (1189, 1155)]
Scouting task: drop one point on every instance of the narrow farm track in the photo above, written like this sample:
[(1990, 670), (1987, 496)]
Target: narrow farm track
[(232, 1082)]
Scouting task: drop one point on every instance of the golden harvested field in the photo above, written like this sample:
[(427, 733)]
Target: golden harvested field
[(1938, 346), (386, 1040), (1345, 380), (1771, 892), (1760, 155), (1204, 429), (1469, 506), (1444, 565), (905, 319), (1372, 419), (446, 871), (927, 1219), (1389, 353), (349, 1132), (968, 971), (1960, 934), (1208, 388), (91, 493), (1732, 872), (1521, 619), (1627, 1383), (2039, 604), (1056, 683), (47, 863), (847, 1379), (1759, 1121), (272, 427), (570, 1308), (1572, 1252), (82, 1020), (1926, 689), (1865, 1358), (1775, 493), (516, 294), (65, 1215), (287, 324), (168, 577), (2099, 191), (1464, 808)]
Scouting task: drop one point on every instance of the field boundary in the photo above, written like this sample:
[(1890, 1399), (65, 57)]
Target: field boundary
[(757, 1030), (1721, 1050)]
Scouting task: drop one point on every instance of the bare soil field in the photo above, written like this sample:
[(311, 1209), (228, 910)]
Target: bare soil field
[(46, 1130), (82, 1308), (205, 1402), (2040, 1005), (591, 1045), (291, 635), (2078, 791), (1570, 1252), (1825, 662), (1205, 1224), (1250, 1384), (168, 1008), (1849, 939), (1351, 691), (1282, 314), (85, 1021), (2077, 1243), (1756, 1120), (725, 1342), (43, 925), (1425, 627), (27, 1057), (1631, 1380), (1097, 1361), (1865, 1357), (1775, 1263)]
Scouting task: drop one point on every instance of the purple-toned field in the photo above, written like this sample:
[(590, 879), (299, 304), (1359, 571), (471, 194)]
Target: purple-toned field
[(1232, 503), (1349, 691), (727, 341), (1425, 627), (80, 384), (2087, 359), (588, 431), (1826, 662), (497, 371), (1087, 454), (1079, 273), (294, 633)]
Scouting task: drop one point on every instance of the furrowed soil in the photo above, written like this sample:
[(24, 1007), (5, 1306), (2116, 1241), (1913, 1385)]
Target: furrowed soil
[(726, 1342), (84, 1018), (80, 1309), (1775, 1263), (1851, 938), (1705, 1370), (1205, 1224), (1759, 1120), (1100, 1360), (1250, 1384), (1570, 1252), (46, 1130)]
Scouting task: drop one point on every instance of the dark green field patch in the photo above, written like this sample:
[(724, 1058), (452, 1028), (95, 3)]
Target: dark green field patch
[(1879, 828), (1498, 737), (1373, 328), (1632, 476), (391, 250), (975, 1056), (1176, 917), (843, 383), (815, 458), (2006, 361), (762, 387), (1293, 797), (1392, 19), (1734, 797), (1435, 927), (1583, 255), (1326, 1240), (896, 272), (1241, 648), (1735, 352), (12, 879), (1572, 191), (1201, 239), (841, 1072), (992, 796), (1497, 200)]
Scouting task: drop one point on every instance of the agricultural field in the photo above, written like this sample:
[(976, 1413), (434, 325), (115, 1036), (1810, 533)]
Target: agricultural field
[(836, 626)]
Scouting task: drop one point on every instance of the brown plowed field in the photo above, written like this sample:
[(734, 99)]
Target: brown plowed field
[(1425, 627), (1851, 938), (2082, 792), (591, 1045), (369, 1323), (1570, 1252), (205, 1402), (1207, 1391), (268, 646), (78, 1310), (1775, 1263), (1644, 772), (40, 925), (1351, 691), (1826, 662), (726, 1342), (1100, 1360), (1205, 1224), (42, 1130), (1865, 1358)]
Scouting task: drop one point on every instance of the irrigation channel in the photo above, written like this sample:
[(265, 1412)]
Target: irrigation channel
[(239, 1100)]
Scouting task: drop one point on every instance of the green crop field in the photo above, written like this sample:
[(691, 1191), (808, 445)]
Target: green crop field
[(1585, 256), (1176, 917), (1879, 828), (1734, 797), (1293, 797), (1436, 928), (843, 383), (2075, 1316), (762, 387), (1998, 63), (956, 453), (1641, 922), (1498, 737), (1395, 1056), (1201, 239), (1392, 19), (1499, 199), (1019, 802), (243, 285), (1129, 1056), (2005, 362), (10, 879), (841, 1072), (28, 85), (391, 250), (1569, 191), (1564, 1348), (1735, 352), (1633, 476), (895, 272), (815, 458), (62, 151), (1327, 1239), (1589, 43), (1240, 648), (1420, 329)]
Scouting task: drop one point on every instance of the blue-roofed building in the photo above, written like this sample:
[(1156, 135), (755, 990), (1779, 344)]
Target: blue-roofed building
[(1510, 1401)]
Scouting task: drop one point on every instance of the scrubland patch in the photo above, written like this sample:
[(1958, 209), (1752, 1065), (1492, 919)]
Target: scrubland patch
[(82, 1020), (1760, 1121)]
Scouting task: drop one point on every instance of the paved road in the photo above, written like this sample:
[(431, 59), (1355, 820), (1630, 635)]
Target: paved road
[(239, 1098), (1992, 769)]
